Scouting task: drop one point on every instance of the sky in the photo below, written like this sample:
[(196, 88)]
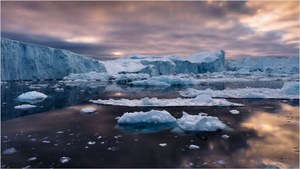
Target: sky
[(107, 30)]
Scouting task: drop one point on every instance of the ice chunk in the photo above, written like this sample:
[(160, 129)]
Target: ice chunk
[(163, 144), (234, 111), (153, 116), (11, 150), (127, 78), (225, 136), (25, 106), (88, 110), (202, 100), (32, 97), (200, 122), (290, 88), (32, 159), (65, 159), (193, 147), (23, 61)]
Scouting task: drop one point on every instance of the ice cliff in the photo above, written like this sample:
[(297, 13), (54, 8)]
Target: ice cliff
[(153, 65), (22, 61)]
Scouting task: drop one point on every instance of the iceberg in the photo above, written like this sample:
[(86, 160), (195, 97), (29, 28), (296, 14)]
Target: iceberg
[(201, 100), (166, 65), (290, 90), (200, 123), (31, 97), (153, 116), (268, 65), (23, 61)]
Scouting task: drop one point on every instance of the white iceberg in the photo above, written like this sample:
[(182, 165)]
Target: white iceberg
[(290, 90), (24, 106), (201, 100), (200, 123), (32, 97), (153, 116)]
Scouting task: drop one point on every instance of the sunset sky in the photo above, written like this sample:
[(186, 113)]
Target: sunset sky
[(113, 29)]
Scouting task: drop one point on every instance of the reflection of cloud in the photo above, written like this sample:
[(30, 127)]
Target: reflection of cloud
[(242, 28), (278, 137)]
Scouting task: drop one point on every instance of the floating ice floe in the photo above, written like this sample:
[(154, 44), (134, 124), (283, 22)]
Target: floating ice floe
[(32, 159), (169, 80), (200, 122), (24, 106), (201, 100), (193, 147), (290, 90), (163, 144), (127, 78), (11, 150), (153, 116), (88, 110), (32, 97), (234, 111), (225, 136), (65, 159)]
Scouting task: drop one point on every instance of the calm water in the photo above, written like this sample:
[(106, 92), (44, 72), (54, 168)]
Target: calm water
[(264, 134)]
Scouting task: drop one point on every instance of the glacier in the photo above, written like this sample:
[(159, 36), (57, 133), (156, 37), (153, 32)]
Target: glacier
[(23, 61)]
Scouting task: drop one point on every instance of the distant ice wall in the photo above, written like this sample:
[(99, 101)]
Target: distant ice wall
[(22, 61)]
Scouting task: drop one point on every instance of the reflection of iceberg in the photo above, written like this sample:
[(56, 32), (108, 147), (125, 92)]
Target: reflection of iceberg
[(143, 128)]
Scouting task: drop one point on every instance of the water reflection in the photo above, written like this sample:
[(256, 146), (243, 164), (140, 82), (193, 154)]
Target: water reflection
[(259, 138)]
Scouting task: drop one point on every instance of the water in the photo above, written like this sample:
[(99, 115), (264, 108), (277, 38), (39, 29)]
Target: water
[(264, 134)]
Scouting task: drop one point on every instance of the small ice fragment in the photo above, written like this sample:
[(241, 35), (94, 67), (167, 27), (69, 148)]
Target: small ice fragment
[(86, 147), (118, 136), (24, 106), (99, 137), (118, 117), (91, 142), (136, 139), (33, 139), (59, 132), (32, 97), (11, 150), (234, 111), (163, 144), (112, 148), (225, 136), (65, 159), (102, 142), (32, 159), (46, 141), (222, 162), (26, 167), (193, 147), (87, 110)]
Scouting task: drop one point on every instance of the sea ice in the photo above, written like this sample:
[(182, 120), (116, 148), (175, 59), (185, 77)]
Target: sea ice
[(200, 122), (153, 116), (290, 90), (32, 97), (165, 80), (24, 106), (88, 110), (201, 100)]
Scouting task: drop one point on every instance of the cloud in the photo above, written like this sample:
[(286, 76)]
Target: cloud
[(101, 28)]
